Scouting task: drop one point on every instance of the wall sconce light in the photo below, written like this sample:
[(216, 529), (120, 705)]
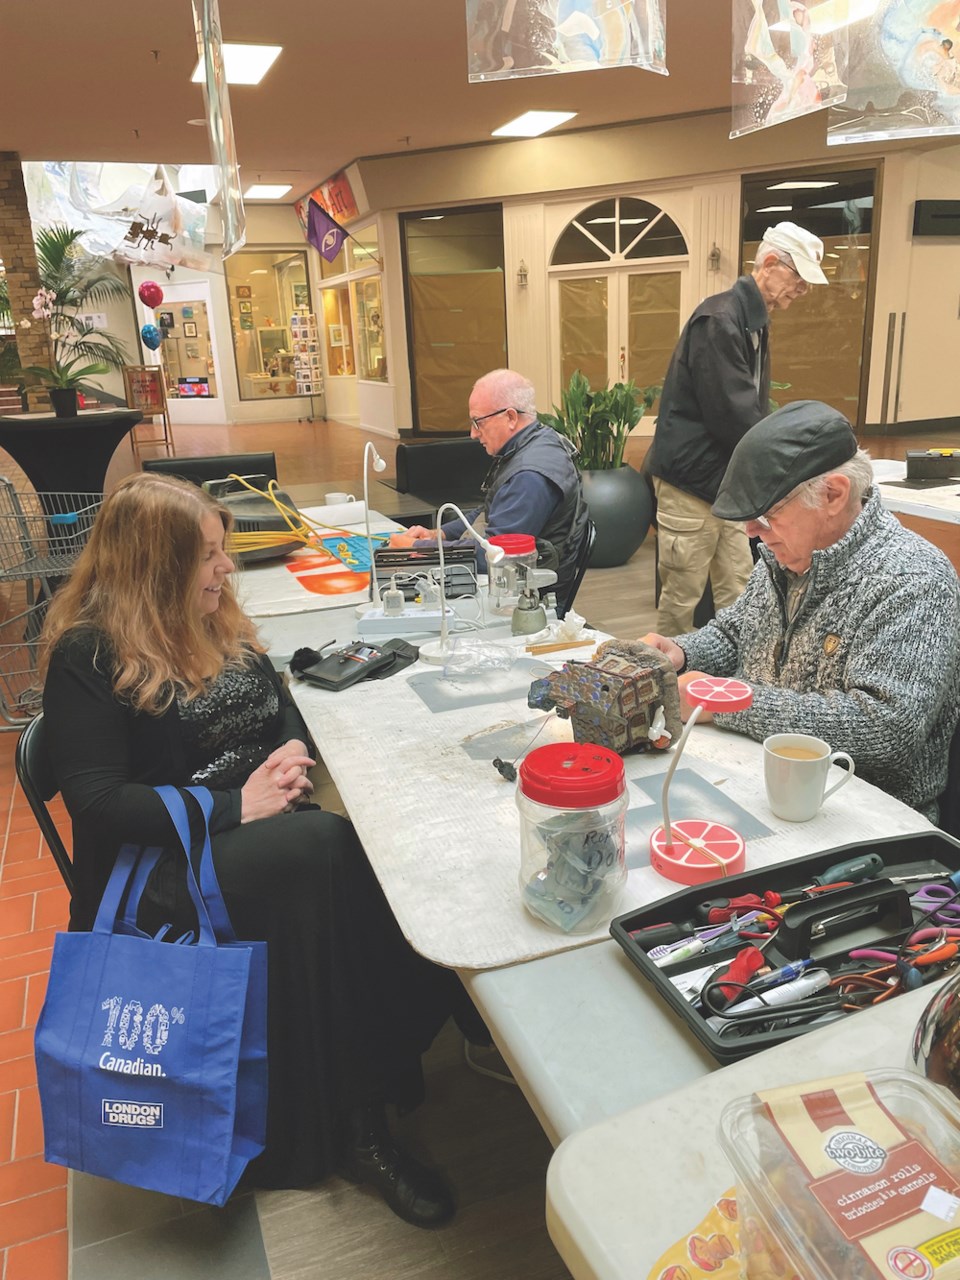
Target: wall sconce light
[(522, 274), (713, 258)]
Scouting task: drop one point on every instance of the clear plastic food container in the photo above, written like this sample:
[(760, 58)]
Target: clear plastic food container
[(850, 1178)]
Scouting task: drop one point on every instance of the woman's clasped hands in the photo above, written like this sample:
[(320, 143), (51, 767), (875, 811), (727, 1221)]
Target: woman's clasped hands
[(279, 784)]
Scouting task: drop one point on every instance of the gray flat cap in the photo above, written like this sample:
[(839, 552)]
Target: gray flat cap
[(796, 443)]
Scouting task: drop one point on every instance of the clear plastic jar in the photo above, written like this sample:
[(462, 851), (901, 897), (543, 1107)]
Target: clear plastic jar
[(572, 800), (506, 580)]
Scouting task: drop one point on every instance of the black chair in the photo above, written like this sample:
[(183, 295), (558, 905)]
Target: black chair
[(215, 466), (583, 559), (39, 785)]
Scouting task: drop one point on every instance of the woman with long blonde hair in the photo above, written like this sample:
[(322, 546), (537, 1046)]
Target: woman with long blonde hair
[(154, 675)]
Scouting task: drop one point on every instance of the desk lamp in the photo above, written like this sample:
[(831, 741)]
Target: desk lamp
[(437, 651), (378, 465), (696, 850)]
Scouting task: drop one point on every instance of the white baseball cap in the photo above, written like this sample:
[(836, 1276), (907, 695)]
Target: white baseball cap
[(804, 248)]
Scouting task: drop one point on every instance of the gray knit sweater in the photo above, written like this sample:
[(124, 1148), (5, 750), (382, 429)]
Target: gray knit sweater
[(870, 663)]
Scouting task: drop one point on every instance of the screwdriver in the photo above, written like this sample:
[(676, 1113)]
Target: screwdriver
[(865, 867)]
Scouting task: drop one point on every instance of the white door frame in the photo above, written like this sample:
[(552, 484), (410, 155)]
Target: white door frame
[(197, 410)]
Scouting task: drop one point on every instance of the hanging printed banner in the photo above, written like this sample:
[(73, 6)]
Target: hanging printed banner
[(223, 148), (904, 73), (507, 39), (789, 59)]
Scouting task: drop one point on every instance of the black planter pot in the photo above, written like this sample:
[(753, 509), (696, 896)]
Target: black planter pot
[(64, 401), (621, 506)]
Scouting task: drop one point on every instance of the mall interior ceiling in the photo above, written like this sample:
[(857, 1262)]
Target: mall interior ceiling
[(111, 81)]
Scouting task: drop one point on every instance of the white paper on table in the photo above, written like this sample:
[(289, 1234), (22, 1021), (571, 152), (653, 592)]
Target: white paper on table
[(295, 584)]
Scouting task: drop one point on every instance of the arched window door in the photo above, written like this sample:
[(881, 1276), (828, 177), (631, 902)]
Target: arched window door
[(617, 276)]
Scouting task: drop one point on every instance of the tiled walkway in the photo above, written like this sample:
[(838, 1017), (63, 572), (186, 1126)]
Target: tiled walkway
[(33, 906)]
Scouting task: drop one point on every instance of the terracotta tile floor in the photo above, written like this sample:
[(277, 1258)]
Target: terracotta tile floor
[(33, 906)]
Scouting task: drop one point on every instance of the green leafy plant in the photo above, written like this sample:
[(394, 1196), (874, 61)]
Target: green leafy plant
[(72, 282), (598, 423)]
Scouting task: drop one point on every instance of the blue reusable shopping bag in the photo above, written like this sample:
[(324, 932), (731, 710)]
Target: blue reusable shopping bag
[(151, 1055)]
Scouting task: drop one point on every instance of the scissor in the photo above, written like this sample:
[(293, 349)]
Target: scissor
[(940, 899)]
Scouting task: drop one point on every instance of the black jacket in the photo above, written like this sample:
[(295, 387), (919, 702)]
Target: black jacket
[(710, 395), (108, 758)]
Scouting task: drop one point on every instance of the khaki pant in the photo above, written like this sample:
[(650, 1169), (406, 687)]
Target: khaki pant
[(693, 545)]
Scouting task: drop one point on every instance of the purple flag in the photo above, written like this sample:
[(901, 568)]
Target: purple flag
[(324, 234)]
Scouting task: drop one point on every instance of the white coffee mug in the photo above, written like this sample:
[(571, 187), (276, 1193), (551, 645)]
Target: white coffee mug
[(334, 499), (795, 769)]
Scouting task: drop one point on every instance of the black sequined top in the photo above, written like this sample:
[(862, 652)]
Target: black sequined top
[(231, 728)]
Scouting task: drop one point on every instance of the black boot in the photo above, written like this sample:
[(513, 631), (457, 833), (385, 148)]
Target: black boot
[(415, 1193)]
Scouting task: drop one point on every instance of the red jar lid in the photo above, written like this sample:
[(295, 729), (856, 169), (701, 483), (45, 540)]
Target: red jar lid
[(515, 544), (572, 775)]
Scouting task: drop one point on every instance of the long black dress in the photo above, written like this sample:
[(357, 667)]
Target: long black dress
[(351, 1005)]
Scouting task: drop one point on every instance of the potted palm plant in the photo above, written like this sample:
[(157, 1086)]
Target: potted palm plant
[(598, 424), (71, 282)]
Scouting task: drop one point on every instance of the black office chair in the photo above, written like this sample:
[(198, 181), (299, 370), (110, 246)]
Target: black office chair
[(215, 466), (39, 785), (583, 559)]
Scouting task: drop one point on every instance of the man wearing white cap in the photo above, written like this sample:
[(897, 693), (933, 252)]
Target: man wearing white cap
[(717, 387)]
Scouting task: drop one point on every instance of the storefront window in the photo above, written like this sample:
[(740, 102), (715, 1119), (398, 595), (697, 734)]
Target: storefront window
[(818, 344), (186, 353), (335, 268), (363, 248), (338, 332), (453, 268), (265, 290), (371, 349)]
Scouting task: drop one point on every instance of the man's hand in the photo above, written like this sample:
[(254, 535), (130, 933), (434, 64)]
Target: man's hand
[(420, 531), (403, 539), (686, 708), (666, 646)]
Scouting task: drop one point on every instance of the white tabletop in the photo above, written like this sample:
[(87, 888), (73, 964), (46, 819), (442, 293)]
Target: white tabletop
[(937, 502), (623, 1191), (441, 828)]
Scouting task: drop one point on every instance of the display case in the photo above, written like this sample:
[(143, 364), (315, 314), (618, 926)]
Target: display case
[(276, 353), (371, 344)]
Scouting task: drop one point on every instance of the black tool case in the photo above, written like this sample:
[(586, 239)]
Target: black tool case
[(873, 913)]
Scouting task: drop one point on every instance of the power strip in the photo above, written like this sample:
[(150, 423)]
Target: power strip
[(375, 623)]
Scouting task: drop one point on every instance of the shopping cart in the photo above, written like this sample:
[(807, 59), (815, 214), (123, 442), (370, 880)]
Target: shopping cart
[(41, 535)]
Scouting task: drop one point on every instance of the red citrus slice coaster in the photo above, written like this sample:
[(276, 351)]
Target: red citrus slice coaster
[(701, 850), (718, 693)]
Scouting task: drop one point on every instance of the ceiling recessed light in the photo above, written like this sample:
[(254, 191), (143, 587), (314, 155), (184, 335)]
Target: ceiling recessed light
[(198, 123), (243, 63), (801, 185), (532, 124), (432, 217), (831, 255), (260, 271), (776, 208), (266, 191)]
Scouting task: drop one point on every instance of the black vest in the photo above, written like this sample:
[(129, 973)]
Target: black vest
[(541, 449)]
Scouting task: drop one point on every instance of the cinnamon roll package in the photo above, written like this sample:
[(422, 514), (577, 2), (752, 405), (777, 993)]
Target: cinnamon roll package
[(855, 1176)]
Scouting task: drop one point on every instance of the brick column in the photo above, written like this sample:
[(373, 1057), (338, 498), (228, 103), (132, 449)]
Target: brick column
[(23, 275)]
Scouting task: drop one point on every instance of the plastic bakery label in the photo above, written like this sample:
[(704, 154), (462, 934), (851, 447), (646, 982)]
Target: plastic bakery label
[(885, 1193)]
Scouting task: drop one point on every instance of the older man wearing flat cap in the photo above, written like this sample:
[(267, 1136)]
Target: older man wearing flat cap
[(848, 628), (717, 387)]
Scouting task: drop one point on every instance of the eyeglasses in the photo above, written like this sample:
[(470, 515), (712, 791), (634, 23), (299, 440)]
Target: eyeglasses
[(475, 422), (764, 520), (800, 285)]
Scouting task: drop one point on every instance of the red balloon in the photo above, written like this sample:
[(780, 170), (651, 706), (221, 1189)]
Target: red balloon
[(150, 293)]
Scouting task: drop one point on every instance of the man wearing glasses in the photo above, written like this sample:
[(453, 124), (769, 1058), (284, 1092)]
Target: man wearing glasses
[(532, 486), (717, 387), (849, 628)]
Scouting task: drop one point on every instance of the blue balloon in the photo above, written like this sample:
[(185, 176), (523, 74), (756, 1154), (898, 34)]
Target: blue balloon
[(151, 336)]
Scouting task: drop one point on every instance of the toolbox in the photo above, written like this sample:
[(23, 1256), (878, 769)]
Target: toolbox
[(818, 927), (933, 464)]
